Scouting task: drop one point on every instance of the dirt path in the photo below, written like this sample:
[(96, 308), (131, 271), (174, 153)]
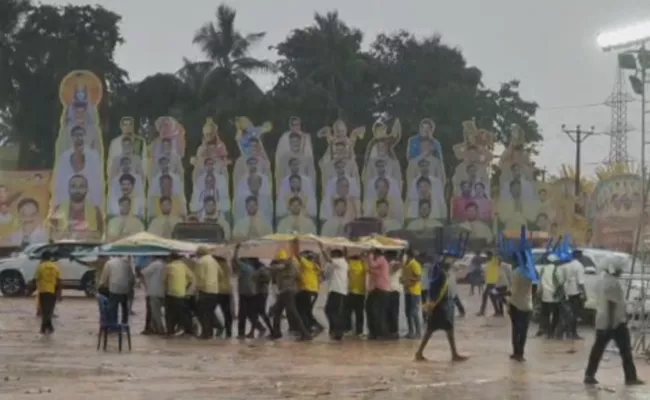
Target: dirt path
[(67, 366)]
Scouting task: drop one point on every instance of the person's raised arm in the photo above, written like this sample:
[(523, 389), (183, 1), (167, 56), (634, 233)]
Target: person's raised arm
[(191, 278), (106, 273), (235, 257)]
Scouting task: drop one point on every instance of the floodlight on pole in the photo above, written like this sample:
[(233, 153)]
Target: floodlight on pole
[(624, 37), (631, 42)]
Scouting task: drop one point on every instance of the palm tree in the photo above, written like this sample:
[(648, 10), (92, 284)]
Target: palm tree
[(325, 59), (229, 64)]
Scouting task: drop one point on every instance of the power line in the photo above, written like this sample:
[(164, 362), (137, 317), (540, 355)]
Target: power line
[(570, 107)]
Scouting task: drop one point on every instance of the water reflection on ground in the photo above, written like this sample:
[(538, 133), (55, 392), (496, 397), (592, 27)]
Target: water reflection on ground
[(68, 366)]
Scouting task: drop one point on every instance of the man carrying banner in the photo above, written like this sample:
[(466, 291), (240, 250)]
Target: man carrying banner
[(440, 310)]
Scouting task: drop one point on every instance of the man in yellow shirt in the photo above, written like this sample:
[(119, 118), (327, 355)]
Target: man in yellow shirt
[(356, 299), (412, 295), (492, 273), (306, 297), (207, 284), (48, 283), (178, 279)]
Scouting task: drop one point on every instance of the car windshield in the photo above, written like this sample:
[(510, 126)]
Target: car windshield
[(33, 248)]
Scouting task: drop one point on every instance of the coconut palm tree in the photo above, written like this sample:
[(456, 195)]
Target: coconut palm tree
[(229, 63)]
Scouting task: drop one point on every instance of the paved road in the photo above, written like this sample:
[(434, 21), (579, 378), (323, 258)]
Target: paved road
[(66, 366)]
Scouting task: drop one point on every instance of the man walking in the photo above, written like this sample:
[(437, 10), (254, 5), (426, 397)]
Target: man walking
[(245, 271), (153, 276), (207, 284), (412, 291), (356, 298), (285, 273), (440, 311), (396, 287), (574, 288), (376, 304), (552, 292), (492, 271), (611, 324), (336, 274), (520, 309), (178, 278), (48, 283)]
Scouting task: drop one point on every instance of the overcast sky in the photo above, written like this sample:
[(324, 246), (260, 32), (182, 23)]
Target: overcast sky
[(548, 45)]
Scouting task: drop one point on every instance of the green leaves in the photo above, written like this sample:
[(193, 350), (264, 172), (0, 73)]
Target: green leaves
[(47, 42)]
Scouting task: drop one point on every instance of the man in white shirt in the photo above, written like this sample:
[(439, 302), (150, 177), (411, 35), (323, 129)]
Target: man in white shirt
[(336, 273), (153, 278), (396, 290), (611, 324), (574, 287), (520, 310), (552, 291)]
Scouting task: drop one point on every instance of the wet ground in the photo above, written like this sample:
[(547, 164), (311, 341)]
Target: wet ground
[(67, 366)]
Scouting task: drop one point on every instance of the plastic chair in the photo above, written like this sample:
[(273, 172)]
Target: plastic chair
[(108, 323)]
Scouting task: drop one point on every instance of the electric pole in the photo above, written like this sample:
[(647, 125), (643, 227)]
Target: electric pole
[(578, 136)]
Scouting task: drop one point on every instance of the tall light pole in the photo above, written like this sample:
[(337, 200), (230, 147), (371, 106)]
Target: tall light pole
[(630, 42)]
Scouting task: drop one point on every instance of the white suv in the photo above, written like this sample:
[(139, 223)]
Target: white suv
[(17, 271)]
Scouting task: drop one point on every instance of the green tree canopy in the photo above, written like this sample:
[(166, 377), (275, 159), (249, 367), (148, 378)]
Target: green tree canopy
[(48, 42)]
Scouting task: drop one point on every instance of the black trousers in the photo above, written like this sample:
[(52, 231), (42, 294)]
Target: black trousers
[(335, 312), (520, 320), (459, 305), (206, 305), (305, 301), (247, 311), (120, 301), (488, 293), (376, 306), (147, 316), (549, 317), (424, 297), (286, 301), (354, 309), (46, 302), (575, 303), (224, 303), (392, 313), (621, 336), (260, 311), (177, 314)]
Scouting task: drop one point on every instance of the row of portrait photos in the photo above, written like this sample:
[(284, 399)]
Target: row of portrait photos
[(140, 184)]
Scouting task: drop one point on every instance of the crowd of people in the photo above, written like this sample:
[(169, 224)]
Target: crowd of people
[(362, 290)]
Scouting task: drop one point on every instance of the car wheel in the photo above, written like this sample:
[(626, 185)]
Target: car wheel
[(12, 284), (88, 284)]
